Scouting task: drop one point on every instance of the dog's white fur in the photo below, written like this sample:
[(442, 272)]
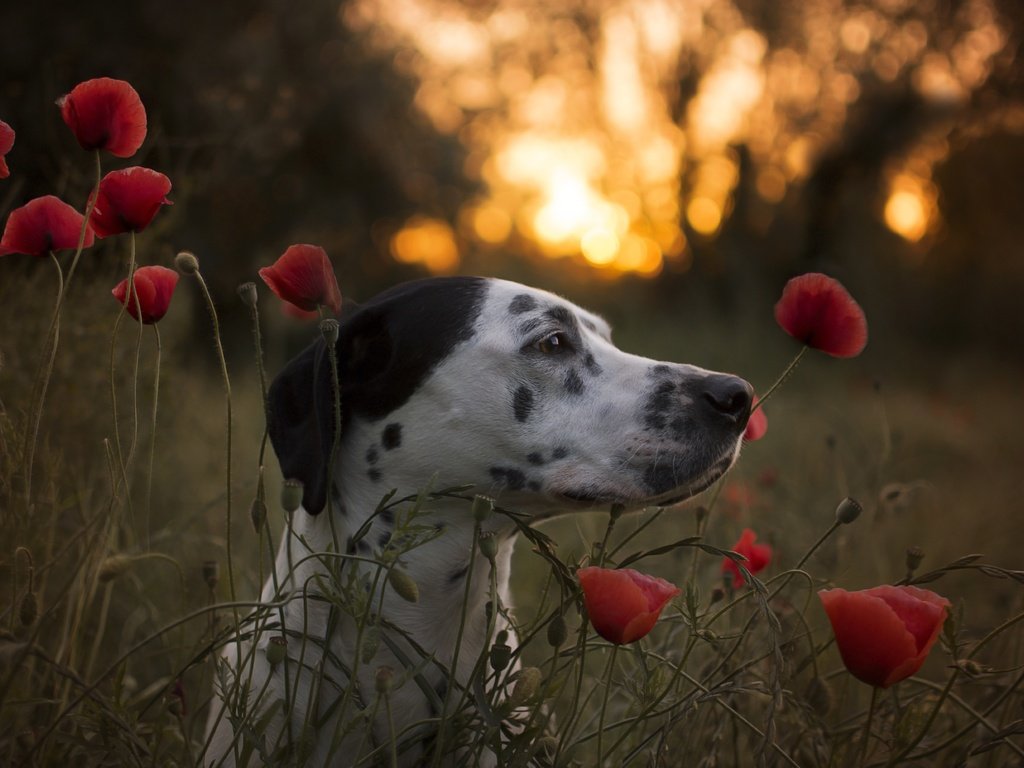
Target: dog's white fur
[(595, 434)]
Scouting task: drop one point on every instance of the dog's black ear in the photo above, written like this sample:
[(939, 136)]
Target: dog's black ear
[(300, 403)]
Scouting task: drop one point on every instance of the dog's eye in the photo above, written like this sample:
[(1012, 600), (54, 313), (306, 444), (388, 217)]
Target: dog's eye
[(553, 344)]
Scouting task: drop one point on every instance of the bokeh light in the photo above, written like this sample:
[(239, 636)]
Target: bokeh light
[(604, 132)]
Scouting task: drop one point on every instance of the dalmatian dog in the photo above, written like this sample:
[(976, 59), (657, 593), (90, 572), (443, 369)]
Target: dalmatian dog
[(447, 381)]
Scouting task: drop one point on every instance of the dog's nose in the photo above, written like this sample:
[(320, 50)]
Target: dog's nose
[(730, 396)]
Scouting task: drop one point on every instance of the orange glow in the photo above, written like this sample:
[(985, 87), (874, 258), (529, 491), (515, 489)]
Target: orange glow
[(430, 242), (585, 146), (908, 208)]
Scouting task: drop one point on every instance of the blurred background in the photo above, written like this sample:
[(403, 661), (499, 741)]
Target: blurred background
[(668, 163)]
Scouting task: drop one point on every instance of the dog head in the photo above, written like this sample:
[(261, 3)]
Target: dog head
[(512, 389)]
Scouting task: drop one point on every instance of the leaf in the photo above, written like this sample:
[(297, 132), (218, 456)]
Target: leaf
[(689, 541)]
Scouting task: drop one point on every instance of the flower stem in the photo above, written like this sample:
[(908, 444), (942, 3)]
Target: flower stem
[(152, 432), (762, 399), (227, 391), (130, 297), (46, 369), (867, 726), (604, 706)]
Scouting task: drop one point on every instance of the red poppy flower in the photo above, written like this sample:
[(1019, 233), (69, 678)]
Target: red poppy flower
[(105, 114), (623, 605), (43, 225), (758, 556), (303, 276), (757, 424), (884, 633), (817, 310), (6, 142), (154, 287), (128, 200), (290, 310)]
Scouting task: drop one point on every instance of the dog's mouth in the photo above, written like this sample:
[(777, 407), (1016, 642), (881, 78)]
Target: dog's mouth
[(635, 497)]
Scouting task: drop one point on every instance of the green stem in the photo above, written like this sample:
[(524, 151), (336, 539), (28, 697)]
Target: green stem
[(43, 375), (604, 706), (867, 727), (130, 297), (152, 432), (762, 399), (227, 391)]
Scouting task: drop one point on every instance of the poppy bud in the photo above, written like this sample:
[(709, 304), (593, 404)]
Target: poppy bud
[(527, 686), (500, 655), (276, 650), (187, 263), (329, 330), (914, 557), (113, 567), (403, 585), (970, 667), (488, 546), (848, 510), (247, 293), (482, 507), (557, 631), (29, 609), (211, 573), (717, 594), (371, 640), (257, 513), (291, 495), (382, 680)]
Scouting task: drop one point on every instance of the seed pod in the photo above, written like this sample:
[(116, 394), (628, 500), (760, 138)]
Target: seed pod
[(247, 293), (211, 573), (382, 680), (488, 546), (403, 585), (113, 567), (914, 557), (527, 686), (500, 656), (616, 511), (276, 650), (329, 330), (371, 641), (482, 507), (848, 510), (291, 495), (557, 631), (187, 263)]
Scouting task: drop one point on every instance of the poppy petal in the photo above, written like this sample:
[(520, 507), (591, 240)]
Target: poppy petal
[(43, 225), (303, 276), (6, 143), (818, 311), (154, 287), (104, 113), (128, 200)]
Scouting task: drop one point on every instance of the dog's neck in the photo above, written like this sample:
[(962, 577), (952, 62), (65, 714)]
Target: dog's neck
[(440, 567)]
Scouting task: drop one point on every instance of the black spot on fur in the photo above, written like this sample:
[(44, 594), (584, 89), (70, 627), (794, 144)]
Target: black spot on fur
[(441, 689), (387, 516), (391, 437), (563, 316), (386, 348), (560, 452), (592, 365), (573, 383), (383, 538), (659, 370), (363, 546), (372, 455), (661, 477), (522, 403), (350, 547), (589, 325), (512, 479), (535, 458), (659, 403), (533, 485), (374, 474), (457, 575), (522, 303)]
